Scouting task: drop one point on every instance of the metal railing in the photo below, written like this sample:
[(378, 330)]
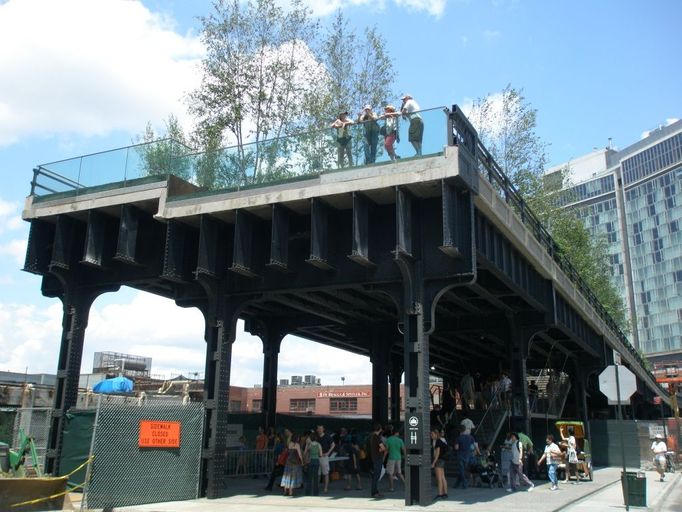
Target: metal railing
[(550, 401), (464, 135), (489, 426), (249, 462), (292, 157)]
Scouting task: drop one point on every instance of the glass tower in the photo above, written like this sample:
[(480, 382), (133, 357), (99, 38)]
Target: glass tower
[(632, 200)]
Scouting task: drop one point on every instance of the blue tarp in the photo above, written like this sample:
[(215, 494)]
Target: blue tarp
[(115, 385)]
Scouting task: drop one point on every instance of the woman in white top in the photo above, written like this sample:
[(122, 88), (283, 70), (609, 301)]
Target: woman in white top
[(571, 456)]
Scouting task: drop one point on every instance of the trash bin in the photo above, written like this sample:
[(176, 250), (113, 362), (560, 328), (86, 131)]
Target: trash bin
[(4, 457), (636, 490)]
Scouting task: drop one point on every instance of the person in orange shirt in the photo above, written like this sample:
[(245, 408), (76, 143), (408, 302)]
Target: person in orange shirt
[(261, 440)]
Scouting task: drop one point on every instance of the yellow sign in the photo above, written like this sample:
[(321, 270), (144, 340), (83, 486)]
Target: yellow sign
[(159, 434)]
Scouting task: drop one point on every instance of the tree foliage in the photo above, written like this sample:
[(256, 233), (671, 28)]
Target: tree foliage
[(506, 123), (256, 73), (167, 155), (269, 72)]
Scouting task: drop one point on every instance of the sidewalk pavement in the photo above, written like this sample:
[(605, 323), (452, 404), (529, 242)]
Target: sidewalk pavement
[(604, 493), (610, 498)]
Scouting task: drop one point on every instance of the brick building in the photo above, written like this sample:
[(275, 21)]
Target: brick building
[(311, 399)]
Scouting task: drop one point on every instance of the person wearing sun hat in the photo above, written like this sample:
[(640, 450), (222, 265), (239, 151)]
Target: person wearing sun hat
[(409, 109), (371, 132), (343, 138), (390, 130)]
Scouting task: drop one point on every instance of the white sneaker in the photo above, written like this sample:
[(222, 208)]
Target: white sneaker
[(530, 489), (554, 488), (508, 489)]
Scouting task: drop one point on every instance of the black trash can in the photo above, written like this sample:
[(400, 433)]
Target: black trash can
[(636, 489)]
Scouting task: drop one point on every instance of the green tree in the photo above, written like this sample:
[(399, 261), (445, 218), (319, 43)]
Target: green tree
[(358, 71), (257, 70), (506, 124), (166, 155)]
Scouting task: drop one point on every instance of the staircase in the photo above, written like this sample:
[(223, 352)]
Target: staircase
[(552, 394)]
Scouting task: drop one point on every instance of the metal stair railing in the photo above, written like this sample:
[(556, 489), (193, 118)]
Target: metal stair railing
[(489, 427)]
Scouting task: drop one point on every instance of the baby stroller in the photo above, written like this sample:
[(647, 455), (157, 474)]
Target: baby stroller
[(488, 472)]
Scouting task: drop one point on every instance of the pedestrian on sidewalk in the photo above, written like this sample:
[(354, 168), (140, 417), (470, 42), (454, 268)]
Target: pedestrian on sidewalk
[(659, 448), (311, 456), (396, 451), (376, 452), (571, 456), (516, 475), (552, 455)]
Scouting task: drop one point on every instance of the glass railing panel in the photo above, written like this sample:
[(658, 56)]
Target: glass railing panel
[(264, 162), (158, 158), (102, 168), (311, 153)]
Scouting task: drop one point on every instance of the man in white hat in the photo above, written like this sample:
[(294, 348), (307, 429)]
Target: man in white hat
[(659, 448), (371, 131), (409, 109)]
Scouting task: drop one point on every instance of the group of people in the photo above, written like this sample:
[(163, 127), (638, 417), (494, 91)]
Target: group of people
[(389, 129), (477, 392), (303, 460)]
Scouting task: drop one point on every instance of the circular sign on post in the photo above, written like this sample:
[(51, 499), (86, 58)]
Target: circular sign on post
[(413, 421)]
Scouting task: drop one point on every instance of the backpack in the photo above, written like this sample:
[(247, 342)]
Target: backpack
[(282, 457)]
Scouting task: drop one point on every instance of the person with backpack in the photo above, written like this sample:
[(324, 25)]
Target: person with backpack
[(292, 477), (439, 455), (467, 451), (516, 475), (280, 453), (311, 456), (390, 130)]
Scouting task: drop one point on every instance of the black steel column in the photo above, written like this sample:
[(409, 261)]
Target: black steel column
[(417, 420), (221, 319), (395, 376), (76, 306), (380, 355), (580, 390), (272, 341), (520, 408)]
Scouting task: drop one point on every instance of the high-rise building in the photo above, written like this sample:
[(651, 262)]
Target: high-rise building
[(633, 199)]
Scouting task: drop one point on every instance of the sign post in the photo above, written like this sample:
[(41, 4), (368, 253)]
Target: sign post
[(618, 384)]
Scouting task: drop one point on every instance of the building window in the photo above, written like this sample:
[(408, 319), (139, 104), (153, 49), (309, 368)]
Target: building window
[(256, 405), (343, 405), (235, 406), (302, 405)]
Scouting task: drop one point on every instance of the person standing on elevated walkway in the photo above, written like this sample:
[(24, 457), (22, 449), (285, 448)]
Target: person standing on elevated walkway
[(409, 109), (371, 133), (390, 130), (343, 139)]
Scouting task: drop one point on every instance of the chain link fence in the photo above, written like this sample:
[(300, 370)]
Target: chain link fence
[(33, 422), (144, 452)]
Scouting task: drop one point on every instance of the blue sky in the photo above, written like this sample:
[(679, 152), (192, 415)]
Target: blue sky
[(83, 76)]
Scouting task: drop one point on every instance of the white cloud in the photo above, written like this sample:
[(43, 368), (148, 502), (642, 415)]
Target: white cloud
[(16, 249), (86, 68), (155, 327), (10, 218), (491, 35), (323, 8), (433, 7)]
